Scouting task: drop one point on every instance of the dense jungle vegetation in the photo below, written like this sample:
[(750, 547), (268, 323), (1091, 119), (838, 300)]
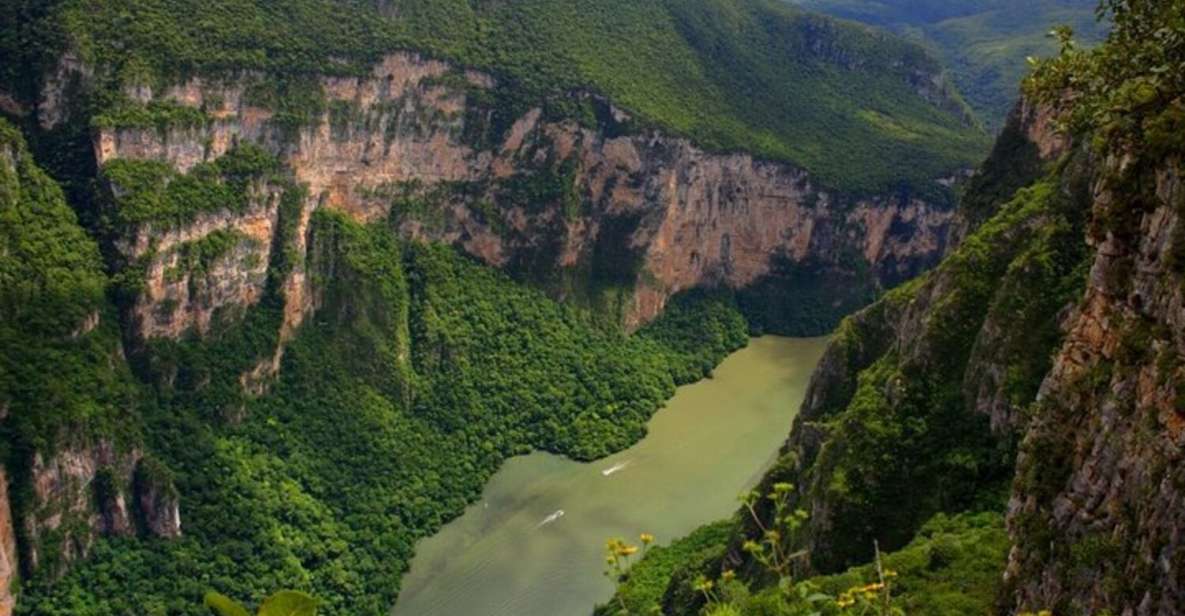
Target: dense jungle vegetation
[(420, 374), (759, 76)]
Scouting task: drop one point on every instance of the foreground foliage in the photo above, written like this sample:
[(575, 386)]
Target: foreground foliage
[(282, 603), (1126, 94), (953, 566)]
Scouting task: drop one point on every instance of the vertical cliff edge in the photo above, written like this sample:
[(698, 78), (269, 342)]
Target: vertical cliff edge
[(1034, 374)]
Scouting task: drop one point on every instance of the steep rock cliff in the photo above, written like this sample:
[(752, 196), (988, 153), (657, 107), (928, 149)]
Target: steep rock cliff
[(1095, 514), (1044, 353), (622, 221), (1098, 506), (77, 494), (216, 262), (914, 405)]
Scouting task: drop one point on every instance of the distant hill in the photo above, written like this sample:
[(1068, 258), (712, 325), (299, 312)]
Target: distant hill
[(983, 42)]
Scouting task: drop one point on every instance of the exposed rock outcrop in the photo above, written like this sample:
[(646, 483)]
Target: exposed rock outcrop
[(82, 492), (77, 493), (915, 402), (578, 208), (218, 262), (157, 500), (1102, 468)]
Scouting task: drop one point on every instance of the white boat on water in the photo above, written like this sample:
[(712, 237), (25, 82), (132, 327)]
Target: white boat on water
[(559, 513), (615, 468)]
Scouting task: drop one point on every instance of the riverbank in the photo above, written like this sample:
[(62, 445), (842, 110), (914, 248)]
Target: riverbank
[(513, 553)]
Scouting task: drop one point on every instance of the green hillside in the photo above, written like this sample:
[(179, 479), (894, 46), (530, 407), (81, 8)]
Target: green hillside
[(753, 75), (984, 43), (386, 421), (51, 281)]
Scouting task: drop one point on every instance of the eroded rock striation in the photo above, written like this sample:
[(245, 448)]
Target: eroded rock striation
[(1100, 468)]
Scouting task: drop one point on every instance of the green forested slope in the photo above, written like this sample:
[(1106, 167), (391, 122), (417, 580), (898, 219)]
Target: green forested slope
[(420, 374), (983, 43), (753, 75), (59, 369)]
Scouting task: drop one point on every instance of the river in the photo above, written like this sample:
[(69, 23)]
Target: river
[(514, 554)]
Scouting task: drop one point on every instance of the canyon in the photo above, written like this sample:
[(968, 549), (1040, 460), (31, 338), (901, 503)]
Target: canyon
[(599, 215), (279, 295)]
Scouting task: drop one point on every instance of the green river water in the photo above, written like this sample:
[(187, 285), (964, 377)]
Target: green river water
[(512, 554)]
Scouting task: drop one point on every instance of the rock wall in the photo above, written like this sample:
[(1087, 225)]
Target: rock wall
[(1098, 508), (61, 519), (552, 201), (914, 404), (184, 288), (82, 492), (1074, 359), (71, 430), (157, 500)]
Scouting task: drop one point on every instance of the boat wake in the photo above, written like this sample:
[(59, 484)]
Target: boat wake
[(559, 513), (616, 467)]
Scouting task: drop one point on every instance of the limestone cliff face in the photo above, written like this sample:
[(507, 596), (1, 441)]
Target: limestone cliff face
[(157, 500), (1073, 357), (62, 520), (552, 201), (66, 482), (1098, 508), (82, 492), (184, 285)]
